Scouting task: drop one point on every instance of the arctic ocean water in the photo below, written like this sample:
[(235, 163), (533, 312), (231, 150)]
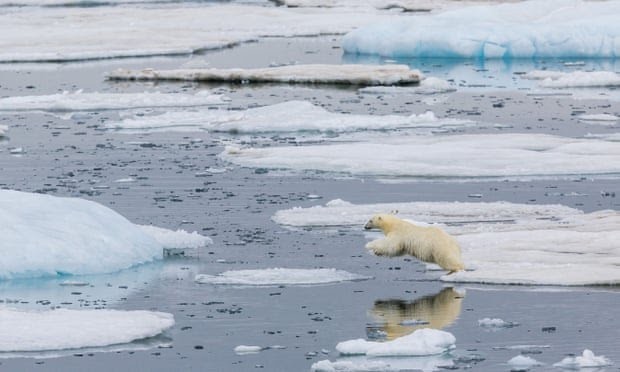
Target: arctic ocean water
[(181, 182)]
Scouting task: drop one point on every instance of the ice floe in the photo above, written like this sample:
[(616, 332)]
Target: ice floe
[(245, 349), (496, 323), (511, 156), (44, 235), (308, 74), (36, 34), (279, 276), (602, 119), (61, 329), (574, 79), (586, 360), (384, 364), (3, 130), (522, 363), (288, 116), (428, 85), (502, 243), (79, 101), (421, 342), (405, 5), (528, 29)]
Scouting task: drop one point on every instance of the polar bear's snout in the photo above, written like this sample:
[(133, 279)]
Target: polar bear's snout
[(369, 225)]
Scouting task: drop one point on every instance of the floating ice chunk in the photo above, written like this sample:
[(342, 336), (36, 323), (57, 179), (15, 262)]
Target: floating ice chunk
[(31, 35), (602, 119), (502, 243), (522, 363), (3, 130), (512, 155), (496, 323), (79, 101), (309, 74), (22, 331), (429, 85), (288, 116), (575, 79), (419, 343), (586, 360), (245, 349), (528, 29), (351, 366), (280, 276), (43, 235), (176, 239)]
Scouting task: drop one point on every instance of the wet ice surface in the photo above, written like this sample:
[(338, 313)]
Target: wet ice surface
[(181, 183)]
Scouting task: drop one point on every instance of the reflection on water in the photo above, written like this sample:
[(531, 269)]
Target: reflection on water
[(396, 318)]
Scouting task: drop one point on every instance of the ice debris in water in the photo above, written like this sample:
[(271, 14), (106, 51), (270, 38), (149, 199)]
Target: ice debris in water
[(574, 79), (527, 29), (419, 343), (496, 323), (73, 329), (522, 363), (44, 235), (279, 276), (586, 360)]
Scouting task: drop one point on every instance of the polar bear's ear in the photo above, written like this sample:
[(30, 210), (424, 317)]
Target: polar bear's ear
[(394, 211)]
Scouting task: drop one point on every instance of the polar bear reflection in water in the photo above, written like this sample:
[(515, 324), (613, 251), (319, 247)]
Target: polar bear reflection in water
[(396, 318)]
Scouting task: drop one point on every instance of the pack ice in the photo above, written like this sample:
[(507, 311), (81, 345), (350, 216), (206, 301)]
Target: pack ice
[(43, 235), (528, 29)]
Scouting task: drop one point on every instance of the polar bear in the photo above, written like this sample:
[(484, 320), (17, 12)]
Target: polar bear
[(429, 244)]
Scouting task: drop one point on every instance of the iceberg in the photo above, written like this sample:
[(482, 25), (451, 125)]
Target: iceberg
[(527, 29), (450, 157), (290, 116), (37, 35), (502, 243), (80, 101), (306, 74), (279, 276), (43, 235), (62, 329)]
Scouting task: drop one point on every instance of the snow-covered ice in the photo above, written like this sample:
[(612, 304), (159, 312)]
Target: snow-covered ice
[(79, 101), (528, 29), (48, 34), (59, 329), (502, 243), (309, 74), (586, 360), (288, 116), (421, 342), (45, 235), (384, 364), (522, 363), (602, 119), (279, 276), (496, 323), (510, 155), (574, 79), (428, 85)]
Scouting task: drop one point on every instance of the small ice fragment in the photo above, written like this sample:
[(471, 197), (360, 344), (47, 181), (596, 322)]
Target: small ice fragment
[(586, 360), (245, 349), (522, 363), (496, 323)]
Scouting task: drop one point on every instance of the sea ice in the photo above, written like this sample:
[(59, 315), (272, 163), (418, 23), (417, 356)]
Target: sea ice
[(510, 155), (522, 363), (603, 119), (405, 5), (586, 360), (48, 34), (428, 85), (80, 101), (527, 29), (574, 79), (245, 349), (496, 323), (288, 116), (3, 130), (279, 276), (308, 74), (351, 366), (421, 342), (44, 235), (59, 329), (502, 243)]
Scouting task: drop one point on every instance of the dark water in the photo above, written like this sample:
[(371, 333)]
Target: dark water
[(75, 157)]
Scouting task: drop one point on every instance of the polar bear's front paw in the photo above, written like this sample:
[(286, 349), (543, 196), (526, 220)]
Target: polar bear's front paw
[(374, 248)]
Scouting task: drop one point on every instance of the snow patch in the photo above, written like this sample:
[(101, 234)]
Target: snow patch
[(307, 74), (62, 329), (288, 116), (528, 29), (279, 276)]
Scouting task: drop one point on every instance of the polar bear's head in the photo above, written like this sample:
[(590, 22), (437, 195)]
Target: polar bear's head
[(380, 221)]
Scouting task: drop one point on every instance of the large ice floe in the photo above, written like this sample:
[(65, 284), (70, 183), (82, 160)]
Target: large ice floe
[(308, 74), (528, 29), (22, 333), (502, 243), (48, 34), (575, 79), (291, 116), (79, 101), (43, 235), (456, 157), (420, 350), (279, 276)]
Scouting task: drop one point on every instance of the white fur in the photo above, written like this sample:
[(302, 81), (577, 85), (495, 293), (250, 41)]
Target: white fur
[(428, 244)]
